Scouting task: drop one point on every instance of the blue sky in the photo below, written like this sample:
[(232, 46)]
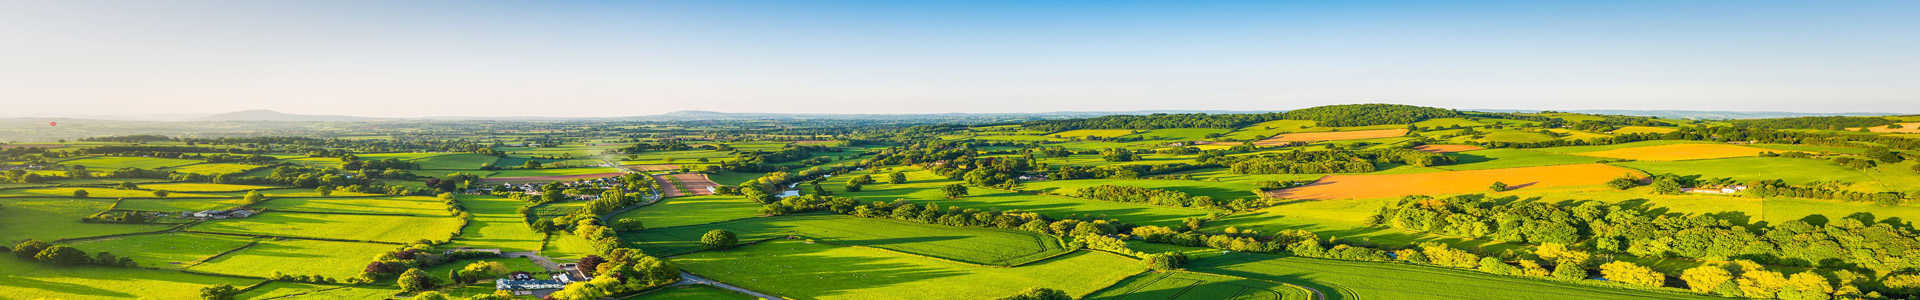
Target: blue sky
[(607, 58)]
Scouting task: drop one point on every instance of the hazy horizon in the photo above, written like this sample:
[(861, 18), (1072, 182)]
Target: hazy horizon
[(605, 59)]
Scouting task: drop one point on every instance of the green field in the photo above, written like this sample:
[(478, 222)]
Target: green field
[(553, 172), (20, 279), (1179, 134), (1511, 158), (682, 211), (692, 292), (92, 192), (1217, 190), (1745, 169), (216, 168), (303, 291), (395, 229), (972, 245), (1197, 286), (104, 163), (201, 187), (1373, 280), (496, 225), (167, 251), (459, 161), (1579, 149), (410, 205), (339, 260), (924, 187), (177, 205), (1093, 133), (820, 271), (47, 219)]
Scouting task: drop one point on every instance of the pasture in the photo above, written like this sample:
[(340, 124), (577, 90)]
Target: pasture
[(967, 244), (682, 211), (1332, 136), (495, 224), (556, 172), (47, 219), (27, 280), (301, 291), (1184, 134), (1374, 280), (1217, 190), (216, 168), (339, 260), (104, 163), (1447, 148), (1744, 169), (1093, 133), (459, 161), (337, 226), (924, 187), (1452, 182), (410, 205), (92, 192), (166, 251), (1641, 129), (1197, 286), (202, 187), (818, 271), (1511, 158), (1678, 152), (692, 292), (177, 205)]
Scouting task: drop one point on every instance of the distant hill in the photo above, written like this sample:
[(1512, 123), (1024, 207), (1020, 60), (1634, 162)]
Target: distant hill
[(1703, 114), (268, 115)]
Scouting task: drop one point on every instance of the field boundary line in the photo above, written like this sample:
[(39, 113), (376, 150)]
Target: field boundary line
[(197, 263), (89, 238), (1109, 286)]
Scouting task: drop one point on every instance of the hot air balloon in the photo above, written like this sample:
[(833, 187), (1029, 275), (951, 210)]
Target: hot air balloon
[(53, 123)]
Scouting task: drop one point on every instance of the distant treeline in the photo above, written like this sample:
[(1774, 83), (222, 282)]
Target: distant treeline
[(1331, 115)]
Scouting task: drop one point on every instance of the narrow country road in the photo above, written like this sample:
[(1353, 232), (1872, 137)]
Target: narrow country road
[(689, 278), (543, 261)]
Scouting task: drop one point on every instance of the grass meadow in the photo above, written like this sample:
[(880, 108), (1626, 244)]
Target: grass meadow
[(92, 192), (496, 224), (47, 219), (924, 187), (176, 205), (202, 187), (103, 163), (169, 251), (1216, 189), (682, 211), (339, 260), (303, 291), (411, 205), (1791, 170), (29, 280), (396, 229), (1511, 158), (973, 245), (216, 168), (692, 292), (820, 271), (1197, 286), (1349, 280), (1678, 152), (459, 161)]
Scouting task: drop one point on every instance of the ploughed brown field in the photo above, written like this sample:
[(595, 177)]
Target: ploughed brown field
[(696, 184)]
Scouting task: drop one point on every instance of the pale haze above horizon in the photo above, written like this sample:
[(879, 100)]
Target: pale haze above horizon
[(613, 58)]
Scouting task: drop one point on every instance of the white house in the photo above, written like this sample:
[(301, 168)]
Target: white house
[(522, 285)]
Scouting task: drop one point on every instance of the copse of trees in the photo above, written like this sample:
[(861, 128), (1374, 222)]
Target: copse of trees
[(1369, 114), (1130, 194), (1826, 122), (63, 255)]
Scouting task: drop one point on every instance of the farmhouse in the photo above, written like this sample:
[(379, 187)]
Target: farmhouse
[(218, 214), (526, 285), (1722, 190)]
